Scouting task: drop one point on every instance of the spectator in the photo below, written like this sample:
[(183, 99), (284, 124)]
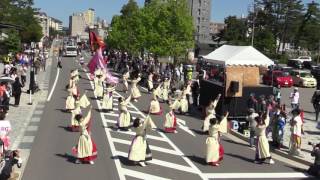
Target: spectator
[(23, 74), (296, 133), (16, 91), (316, 105), (252, 102), (294, 96), (277, 94)]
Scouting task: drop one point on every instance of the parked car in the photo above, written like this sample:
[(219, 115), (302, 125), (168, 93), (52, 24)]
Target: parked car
[(310, 65), (286, 69), (295, 63), (277, 78), (303, 79)]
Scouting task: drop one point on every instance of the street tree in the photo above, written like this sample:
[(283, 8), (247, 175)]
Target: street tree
[(236, 31), (308, 36)]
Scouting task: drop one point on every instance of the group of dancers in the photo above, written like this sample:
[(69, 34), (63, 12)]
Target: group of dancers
[(139, 152)]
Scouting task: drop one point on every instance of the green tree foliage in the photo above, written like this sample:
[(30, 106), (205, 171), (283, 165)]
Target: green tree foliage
[(21, 13), (308, 36), (235, 32), (162, 28)]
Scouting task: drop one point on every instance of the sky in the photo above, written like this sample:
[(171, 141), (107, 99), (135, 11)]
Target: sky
[(105, 9)]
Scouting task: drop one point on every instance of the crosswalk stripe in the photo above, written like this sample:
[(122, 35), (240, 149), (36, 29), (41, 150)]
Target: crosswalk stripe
[(255, 175), (155, 148), (139, 175), (111, 121), (163, 163), (148, 136), (111, 114)]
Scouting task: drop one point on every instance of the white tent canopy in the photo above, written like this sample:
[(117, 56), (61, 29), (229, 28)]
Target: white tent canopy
[(238, 55)]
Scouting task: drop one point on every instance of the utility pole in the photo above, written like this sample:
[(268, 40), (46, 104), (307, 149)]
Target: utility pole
[(255, 13)]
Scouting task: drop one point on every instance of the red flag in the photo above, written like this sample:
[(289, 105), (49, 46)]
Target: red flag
[(96, 40)]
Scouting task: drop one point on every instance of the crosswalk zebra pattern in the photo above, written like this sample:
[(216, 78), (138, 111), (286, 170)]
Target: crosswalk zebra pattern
[(161, 146)]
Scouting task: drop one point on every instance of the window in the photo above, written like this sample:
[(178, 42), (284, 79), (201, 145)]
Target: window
[(199, 2), (198, 29), (199, 12), (198, 20)]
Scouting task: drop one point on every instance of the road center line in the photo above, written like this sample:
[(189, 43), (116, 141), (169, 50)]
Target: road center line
[(54, 85)]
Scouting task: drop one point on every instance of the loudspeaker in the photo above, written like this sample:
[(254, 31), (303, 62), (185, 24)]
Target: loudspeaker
[(234, 86)]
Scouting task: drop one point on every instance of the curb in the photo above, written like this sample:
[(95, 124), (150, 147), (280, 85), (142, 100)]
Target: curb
[(276, 151)]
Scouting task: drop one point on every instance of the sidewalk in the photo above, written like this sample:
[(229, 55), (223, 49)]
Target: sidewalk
[(25, 118), (311, 135)]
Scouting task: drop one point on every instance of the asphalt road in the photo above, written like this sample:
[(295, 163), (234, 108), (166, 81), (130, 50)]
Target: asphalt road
[(175, 156)]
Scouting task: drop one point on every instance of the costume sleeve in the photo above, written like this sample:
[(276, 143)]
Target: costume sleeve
[(223, 128), (84, 102), (127, 100), (86, 120), (215, 102)]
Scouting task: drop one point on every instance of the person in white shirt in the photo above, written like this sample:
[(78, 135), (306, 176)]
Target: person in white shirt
[(294, 96), (296, 133)]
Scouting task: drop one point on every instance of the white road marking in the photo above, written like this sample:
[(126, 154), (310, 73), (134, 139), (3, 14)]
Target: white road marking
[(54, 85), (148, 136), (137, 174), (255, 175), (182, 125), (111, 121), (194, 167), (112, 147), (164, 164), (111, 114), (155, 148)]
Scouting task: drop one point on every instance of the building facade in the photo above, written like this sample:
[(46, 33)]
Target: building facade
[(216, 28), (200, 10), (78, 26), (89, 16), (43, 20), (55, 24)]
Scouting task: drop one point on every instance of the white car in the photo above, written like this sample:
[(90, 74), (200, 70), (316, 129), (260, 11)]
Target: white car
[(303, 79)]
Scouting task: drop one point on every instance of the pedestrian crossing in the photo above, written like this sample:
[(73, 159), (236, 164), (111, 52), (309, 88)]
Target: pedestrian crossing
[(166, 156)]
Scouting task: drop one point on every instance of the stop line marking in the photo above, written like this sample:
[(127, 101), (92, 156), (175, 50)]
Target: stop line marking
[(255, 175)]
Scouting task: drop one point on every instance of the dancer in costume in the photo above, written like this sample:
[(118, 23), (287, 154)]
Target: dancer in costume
[(107, 102), (124, 120), (125, 78), (75, 123), (165, 90), (70, 102), (139, 151), (262, 146), (170, 123), (183, 101), (210, 113), (98, 84), (135, 92), (155, 106), (215, 150), (150, 81), (86, 150), (176, 100)]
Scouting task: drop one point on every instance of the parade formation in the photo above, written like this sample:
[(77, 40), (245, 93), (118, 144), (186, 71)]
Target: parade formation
[(161, 92)]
